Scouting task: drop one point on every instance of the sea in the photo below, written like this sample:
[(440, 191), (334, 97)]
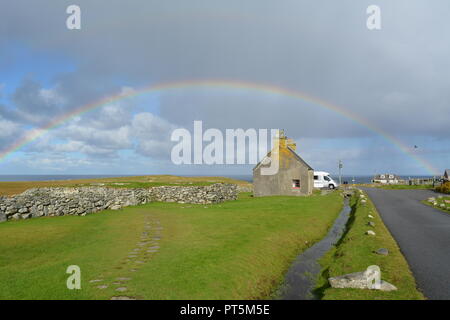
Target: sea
[(56, 177), (10, 178)]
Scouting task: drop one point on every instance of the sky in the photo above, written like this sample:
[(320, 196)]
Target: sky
[(394, 80)]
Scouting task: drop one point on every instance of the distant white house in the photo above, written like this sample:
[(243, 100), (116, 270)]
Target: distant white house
[(386, 178)]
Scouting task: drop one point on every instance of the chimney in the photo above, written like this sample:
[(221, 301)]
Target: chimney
[(284, 141), (291, 144)]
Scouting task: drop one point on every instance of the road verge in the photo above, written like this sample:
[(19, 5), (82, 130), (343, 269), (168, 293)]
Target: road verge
[(356, 250)]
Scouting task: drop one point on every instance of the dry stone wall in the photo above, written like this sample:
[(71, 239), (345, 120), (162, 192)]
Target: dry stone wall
[(40, 202)]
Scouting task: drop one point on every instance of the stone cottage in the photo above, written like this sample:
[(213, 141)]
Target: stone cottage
[(447, 175), (290, 175)]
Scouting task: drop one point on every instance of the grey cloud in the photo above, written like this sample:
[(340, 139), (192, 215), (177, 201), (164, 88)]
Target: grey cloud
[(322, 48), (34, 103)]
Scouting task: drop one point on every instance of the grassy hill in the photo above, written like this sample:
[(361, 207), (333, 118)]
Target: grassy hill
[(11, 188)]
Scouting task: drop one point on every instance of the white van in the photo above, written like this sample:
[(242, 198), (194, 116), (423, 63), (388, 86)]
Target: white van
[(322, 179)]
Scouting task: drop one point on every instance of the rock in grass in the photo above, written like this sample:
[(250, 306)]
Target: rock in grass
[(370, 223), (123, 279), (356, 280), (370, 216), (2, 217), (360, 280), (121, 289), (370, 233), (95, 280), (382, 251), (122, 298), (386, 286)]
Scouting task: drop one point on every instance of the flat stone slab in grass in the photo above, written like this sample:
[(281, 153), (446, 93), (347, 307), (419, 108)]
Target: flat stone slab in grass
[(370, 223), (121, 289), (102, 287), (370, 233), (154, 247), (370, 216), (382, 251), (123, 279), (122, 298), (152, 251), (139, 262), (95, 280)]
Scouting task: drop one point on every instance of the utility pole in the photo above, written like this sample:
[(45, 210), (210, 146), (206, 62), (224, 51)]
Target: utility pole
[(340, 176)]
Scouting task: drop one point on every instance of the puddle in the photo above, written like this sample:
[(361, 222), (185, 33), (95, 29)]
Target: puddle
[(300, 278)]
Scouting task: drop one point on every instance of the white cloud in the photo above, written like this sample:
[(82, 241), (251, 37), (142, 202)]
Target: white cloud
[(110, 116), (58, 163), (152, 134), (8, 129), (113, 139)]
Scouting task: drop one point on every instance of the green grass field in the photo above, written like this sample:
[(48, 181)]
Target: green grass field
[(234, 250), (355, 253)]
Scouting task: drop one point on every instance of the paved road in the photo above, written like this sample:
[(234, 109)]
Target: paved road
[(423, 234)]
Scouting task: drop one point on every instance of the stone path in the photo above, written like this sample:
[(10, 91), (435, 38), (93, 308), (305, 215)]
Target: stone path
[(146, 247)]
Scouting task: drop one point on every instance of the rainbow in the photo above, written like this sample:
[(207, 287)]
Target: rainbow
[(34, 134)]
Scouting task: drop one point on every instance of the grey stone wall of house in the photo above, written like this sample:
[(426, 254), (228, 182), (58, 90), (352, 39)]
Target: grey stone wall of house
[(40, 202), (281, 183)]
